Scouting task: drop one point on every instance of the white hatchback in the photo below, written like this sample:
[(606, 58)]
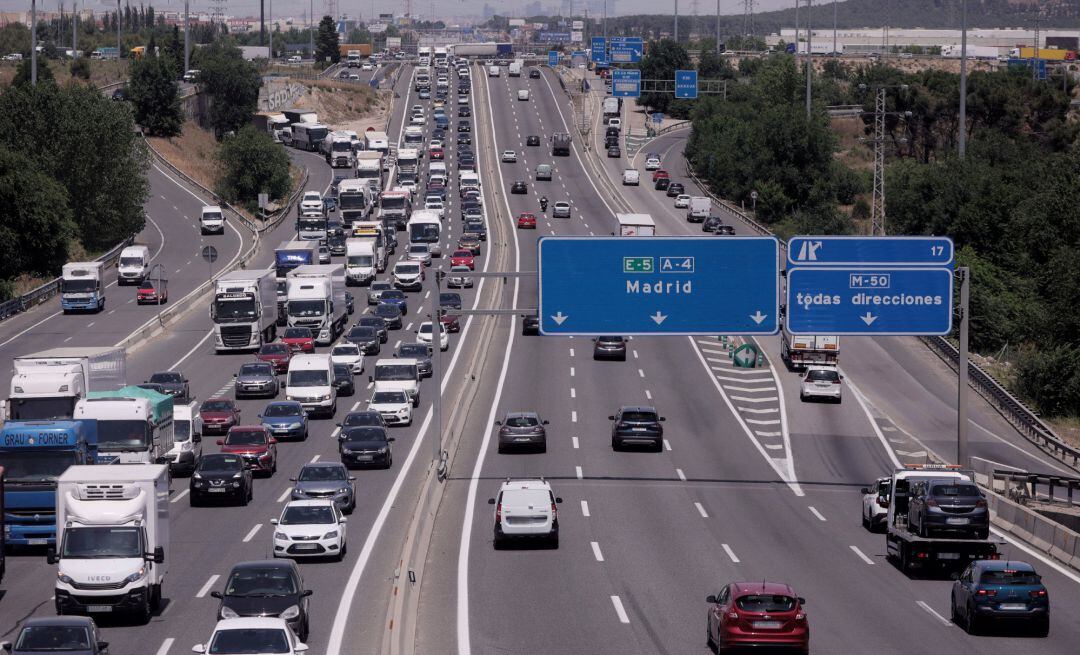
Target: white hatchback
[(875, 504), (426, 335), (652, 163), (682, 201), (395, 407), (560, 209), (310, 528), (349, 355), (526, 509), (252, 634), (824, 382), (509, 157)]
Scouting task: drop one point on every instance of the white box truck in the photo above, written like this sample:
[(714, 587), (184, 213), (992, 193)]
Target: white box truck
[(112, 533), (698, 209), (611, 106), (47, 385), (135, 425), (316, 300), (800, 351), (369, 169), (377, 141), (244, 310), (636, 225), (515, 68), (308, 136), (359, 260), (82, 286), (398, 375)]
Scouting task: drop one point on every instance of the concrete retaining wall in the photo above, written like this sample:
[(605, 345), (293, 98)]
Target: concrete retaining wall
[(1058, 541)]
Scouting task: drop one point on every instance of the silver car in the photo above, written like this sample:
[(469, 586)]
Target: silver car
[(419, 252), (256, 379), (458, 278), (375, 291), (326, 481)]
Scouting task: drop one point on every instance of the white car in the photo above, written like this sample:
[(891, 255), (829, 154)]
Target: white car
[(437, 207), (408, 185), (435, 143), (311, 201), (425, 335), (367, 66), (417, 119), (309, 528), (523, 94), (395, 407), (295, 59), (823, 382), (349, 355), (682, 201), (324, 254), (509, 157), (560, 209), (631, 177), (457, 280), (875, 504), (354, 77), (418, 252), (463, 99), (652, 163), (417, 108), (255, 634), (526, 509), (615, 122)]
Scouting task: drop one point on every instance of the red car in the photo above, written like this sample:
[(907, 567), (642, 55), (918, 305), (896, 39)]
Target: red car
[(659, 174), (763, 614), (463, 258), (527, 220), (277, 354), (149, 294), (299, 339), (219, 415), (254, 444), (450, 322), (436, 154)]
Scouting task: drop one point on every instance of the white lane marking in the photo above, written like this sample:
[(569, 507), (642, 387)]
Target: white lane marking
[(862, 555), (815, 512), (730, 553), (578, 473), (667, 445), (111, 311), (165, 646), (585, 508), (205, 589), (640, 373), (682, 476), (284, 494), (933, 613), (573, 416), (648, 394), (315, 459), (189, 353), (755, 421), (596, 551), (635, 353), (573, 392), (571, 371), (701, 510), (766, 399), (571, 352), (774, 446), (759, 410), (762, 433), (335, 433), (745, 380), (623, 618), (251, 533), (179, 495), (68, 339), (575, 440), (91, 324), (750, 389)]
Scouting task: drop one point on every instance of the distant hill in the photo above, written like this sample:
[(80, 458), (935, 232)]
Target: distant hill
[(930, 14)]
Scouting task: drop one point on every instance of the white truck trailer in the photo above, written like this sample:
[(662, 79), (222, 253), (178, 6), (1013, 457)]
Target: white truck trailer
[(316, 300), (112, 534), (369, 169), (636, 225), (244, 310), (806, 350), (135, 425), (47, 385)]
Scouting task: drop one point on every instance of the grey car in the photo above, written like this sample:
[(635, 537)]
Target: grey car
[(174, 384), (326, 480), (609, 347), (421, 352), (72, 635), (367, 338), (390, 313), (377, 322), (522, 429), (256, 379), (375, 290)]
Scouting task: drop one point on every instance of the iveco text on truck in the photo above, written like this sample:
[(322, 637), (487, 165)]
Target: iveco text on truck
[(82, 286), (134, 424), (48, 384), (316, 300), (244, 310)]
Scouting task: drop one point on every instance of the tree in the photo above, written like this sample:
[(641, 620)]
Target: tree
[(15, 37), (326, 43), (663, 59), (80, 68), (22, 73), (232, 85), (37, 227), (153, 90), (252, 163)]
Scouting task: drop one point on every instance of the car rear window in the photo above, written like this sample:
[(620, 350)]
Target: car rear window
[(638, 416), (521, 421), (765, 603), (822, 376), (1009, 576), (955, 490)]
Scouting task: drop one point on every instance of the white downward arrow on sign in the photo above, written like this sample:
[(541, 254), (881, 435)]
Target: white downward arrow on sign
[(559, 318), (658, 317), (869, 318), (758, 317)]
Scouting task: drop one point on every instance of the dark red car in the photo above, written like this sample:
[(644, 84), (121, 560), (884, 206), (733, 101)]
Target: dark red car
[(219, 415), (299, 339), (659, 174), (451, 322), (526, 220), (254, 444), (277, 354), (463, 258), (436, 154), (766, 614)]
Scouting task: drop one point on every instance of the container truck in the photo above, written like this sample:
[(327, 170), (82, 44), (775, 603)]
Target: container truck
[(698, 209), (82, 286), (636, 225), (291, 254), (805, 350), (316, 297), (35, 454), (294, 116), (911, 552), (113, 531), (952, 51), (353, 59), (488, 49), (1050, 54), (361, 49), (369, 168), (134, 424), (244, 310), (338, 149), (822, 48), (354, 201), (612, 106), (560, 144), (504, 49), (48, 384)]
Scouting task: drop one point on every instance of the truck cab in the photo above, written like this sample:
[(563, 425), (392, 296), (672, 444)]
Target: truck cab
[(134, 424), (82, 286)]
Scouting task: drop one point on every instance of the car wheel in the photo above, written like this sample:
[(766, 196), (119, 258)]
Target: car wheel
[(497, 542), (245, 499), (142, 614), (341, 553), (193, 501), (1041, 627), (865, 522), (972, 624), (709, 641), (659, 447), (614, 444), (553, 541)]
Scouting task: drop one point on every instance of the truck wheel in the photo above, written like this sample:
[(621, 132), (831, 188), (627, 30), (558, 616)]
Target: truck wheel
[(142, 615), (155, 597)]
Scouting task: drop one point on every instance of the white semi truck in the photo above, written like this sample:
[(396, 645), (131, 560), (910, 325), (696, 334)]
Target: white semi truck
[(112, 536), (369, 169), (47, 385), (82, 286), (806, 350), (316, 300), (244, 310), (636, 225)]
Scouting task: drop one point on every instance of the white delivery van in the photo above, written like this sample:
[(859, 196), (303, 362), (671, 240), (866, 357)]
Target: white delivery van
[(631, 177), (699, 209), (523, 94), (360, 261), (134, 265), (212, 220), (310, 382), (493, 71), (187, 439)]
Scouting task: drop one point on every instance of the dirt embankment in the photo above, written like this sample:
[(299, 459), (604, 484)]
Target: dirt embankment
[(345, 106), (194, 152)]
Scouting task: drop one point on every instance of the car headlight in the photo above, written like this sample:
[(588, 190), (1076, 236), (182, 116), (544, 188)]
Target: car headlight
[(298, 491), (295, 426), (403, 411), (341, 492), (136, 576), (331, 535), (228, 612), (281, 535), (384, 450), (197, 476), (267, 426), (65, 579), (326, 397), (291, 613), (237, 476)]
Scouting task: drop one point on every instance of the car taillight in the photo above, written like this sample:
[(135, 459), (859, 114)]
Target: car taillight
[(930, 502), (554, 511), (1037, 593), (986, 592), (980, 503), (800, 616), (498, 513)]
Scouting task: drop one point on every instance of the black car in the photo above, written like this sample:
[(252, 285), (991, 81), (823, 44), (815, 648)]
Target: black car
[(662, 184), (530, 324), (366, 417), (120, 94), (464, 112), (611, 141), (534, 73), (377, 322), (614, 151), (266, 588), (343, 380), (725, 230), (449, 300), (609, 348), (711, 224), (466, 163), (519, 186), (476, 226), (366, 337), (464, 127), (532, 140), (74, 635), (675, 189), (391, 313), (336, 243), (173, 383), (215, 478), (421, 352), (637, 426), (365, 446), (464, 140), (936, 506)]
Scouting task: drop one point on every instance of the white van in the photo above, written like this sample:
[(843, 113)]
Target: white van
[(360, 260), (523, 94), (187, 439), (437, 168), (212, 220), (134, 265), (310, 382), (493, 71), (398, 374), (631, 177)]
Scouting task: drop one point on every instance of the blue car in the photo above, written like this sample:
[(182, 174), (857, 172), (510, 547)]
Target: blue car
[(1000, 591), (396, 297), (285, 419)]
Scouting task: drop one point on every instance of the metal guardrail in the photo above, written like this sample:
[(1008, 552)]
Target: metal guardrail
[(1024, 487), (845, 110)]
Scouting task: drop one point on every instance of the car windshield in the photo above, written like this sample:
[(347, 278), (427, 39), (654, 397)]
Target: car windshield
[(639, 416), (413, 350), (220, 464), (307, 515), (821, 375), (165, 378), (389, 397), (321, 473), (379, 286), (408, 269), (297, 333), (274, 349), (425, 328), (376, 322), (245, 437), (345, 351), (388, 310), (362, 418), (237, 641), (365, 433), (103, 542), (306, 308), (283, 409), (362, 332), (216, 406), (419, 249), (521, 421), (308, 378), (52, 639), (954, 490), (260, 582), (1010, 577), (256, 369), (765, 603)]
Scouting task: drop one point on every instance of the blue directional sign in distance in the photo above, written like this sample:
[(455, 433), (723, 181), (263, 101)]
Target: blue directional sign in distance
[(686, 84), (658, 285), (625, 83), (870, 251), (599, 50), (553, 58), (869, 301), (625, 49)]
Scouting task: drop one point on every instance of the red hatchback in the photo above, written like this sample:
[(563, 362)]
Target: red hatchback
[(218, 415), (463, 258), (451, 322), (527, 220), (757, 614), (277, 354), (254, 444), (299, 339), (659, 174), (436, 154)]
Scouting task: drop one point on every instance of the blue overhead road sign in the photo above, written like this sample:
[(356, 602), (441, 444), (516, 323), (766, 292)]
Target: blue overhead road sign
[(599, 50), (870, 251), (625, 49), (625, 83), (553, 58), (880, 301), (686, 84), (658, 285)]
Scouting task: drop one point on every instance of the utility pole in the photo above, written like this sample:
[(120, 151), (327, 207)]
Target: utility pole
[(75, 30), (119, 52), (311, 27), (796, 31), (717, 26), (187, 34), (262, 22), (962, 371), (809, 60), (676, 21), (33, 42), (834, 28), (962, 137), (877, 205)]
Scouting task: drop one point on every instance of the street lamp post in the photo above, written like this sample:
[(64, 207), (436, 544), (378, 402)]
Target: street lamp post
[(962, 137)]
